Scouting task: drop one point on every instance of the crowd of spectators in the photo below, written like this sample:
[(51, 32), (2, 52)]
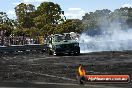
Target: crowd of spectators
[(17, 40)]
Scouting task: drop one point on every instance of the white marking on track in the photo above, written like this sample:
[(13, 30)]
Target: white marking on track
[(50, 75)]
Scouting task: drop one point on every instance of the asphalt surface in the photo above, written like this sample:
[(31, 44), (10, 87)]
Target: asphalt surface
[(39, 70)]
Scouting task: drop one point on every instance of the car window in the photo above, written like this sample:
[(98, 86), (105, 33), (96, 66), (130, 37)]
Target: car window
[(57, 38), (67, 37)]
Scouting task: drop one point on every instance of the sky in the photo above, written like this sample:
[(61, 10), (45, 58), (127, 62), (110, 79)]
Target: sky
[(74, 9)]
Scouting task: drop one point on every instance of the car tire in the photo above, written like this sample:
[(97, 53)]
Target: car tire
[(49, 51), (77, 53)]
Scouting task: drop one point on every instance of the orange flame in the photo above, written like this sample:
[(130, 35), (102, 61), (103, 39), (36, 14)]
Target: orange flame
[(81, 71)]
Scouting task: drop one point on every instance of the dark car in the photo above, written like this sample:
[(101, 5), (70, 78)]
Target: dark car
[(62, 44)]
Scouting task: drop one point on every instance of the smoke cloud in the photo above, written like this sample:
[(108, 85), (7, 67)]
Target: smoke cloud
[(116, 37)]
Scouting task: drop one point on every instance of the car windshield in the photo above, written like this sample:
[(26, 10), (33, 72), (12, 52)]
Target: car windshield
[(67, 37), (58, 38)]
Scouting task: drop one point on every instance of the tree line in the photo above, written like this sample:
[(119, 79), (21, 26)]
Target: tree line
[(103, 19), (47, 19)]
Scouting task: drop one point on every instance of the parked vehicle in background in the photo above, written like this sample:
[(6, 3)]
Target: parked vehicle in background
[(62, 44)]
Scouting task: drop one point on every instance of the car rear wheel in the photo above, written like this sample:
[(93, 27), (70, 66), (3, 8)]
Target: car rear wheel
[(49, 51), (77, 53)]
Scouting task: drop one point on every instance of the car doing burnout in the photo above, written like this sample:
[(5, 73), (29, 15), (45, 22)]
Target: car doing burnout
[(62, 44)]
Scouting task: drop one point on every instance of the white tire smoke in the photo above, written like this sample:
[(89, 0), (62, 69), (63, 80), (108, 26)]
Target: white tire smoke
[(113, 38)]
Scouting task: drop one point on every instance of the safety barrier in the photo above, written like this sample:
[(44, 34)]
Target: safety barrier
[(14, 48)]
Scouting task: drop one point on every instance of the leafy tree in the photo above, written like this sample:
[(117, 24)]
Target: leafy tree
[(17, 32), (6, 24), (122, 16), (70, 25), (95, 19), (25, 14), (48, 13), (103, 18), (48, 29)]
